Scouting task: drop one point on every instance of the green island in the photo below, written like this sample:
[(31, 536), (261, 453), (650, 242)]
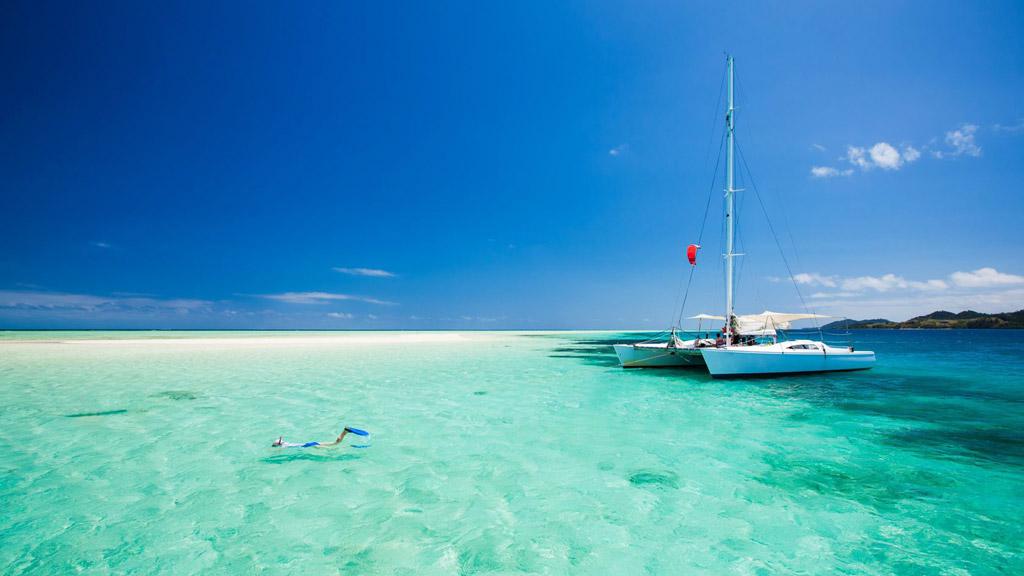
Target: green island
[(939, 319)]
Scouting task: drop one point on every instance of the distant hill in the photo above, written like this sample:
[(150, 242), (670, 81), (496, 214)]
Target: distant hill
[(843, 324), (939, 319)]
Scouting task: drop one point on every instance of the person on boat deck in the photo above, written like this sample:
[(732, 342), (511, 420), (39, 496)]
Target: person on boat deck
[(280, 443)]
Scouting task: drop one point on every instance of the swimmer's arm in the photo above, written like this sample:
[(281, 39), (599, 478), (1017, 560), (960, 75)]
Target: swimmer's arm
[(336, 441)]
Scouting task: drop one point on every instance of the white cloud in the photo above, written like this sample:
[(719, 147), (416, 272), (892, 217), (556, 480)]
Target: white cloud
[(99, 244), (885, 156), (818, 147), (1011, 128), (852, 286), (855, 156), (985, 290), (961, 142), (981, 278), (488, 319), (910, 153), (619, 150), (881, 155), (889, 282), (372, 272), (56, 301), (814, 279), (340, 315), (835, 294), (903, 306), (319, 298), (829, 172), (985, 278)]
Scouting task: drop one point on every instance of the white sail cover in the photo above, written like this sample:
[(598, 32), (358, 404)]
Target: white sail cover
[(765, 323)]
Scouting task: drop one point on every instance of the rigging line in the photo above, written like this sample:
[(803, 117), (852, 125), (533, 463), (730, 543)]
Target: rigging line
[(655, 338), (744, 248), (689, 280), (703, 224), (741, 246), (711, 189), (714, 119), (679, 290), (749, 251), (707, 155), (738, 280), (775, 236), (736, 215)]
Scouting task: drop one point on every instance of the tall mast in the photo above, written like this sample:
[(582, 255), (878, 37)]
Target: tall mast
[(730, 223)]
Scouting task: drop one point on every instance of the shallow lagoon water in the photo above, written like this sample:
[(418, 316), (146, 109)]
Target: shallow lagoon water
[(503, 453)]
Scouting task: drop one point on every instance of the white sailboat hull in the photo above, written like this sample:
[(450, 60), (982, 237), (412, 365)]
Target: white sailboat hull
[(775, 359), (657, 355)]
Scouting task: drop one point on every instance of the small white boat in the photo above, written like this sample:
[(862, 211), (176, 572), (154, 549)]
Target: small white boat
[(674, 352)]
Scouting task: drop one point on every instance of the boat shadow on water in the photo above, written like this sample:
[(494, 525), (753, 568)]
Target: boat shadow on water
[(589, 356), (599, 351)]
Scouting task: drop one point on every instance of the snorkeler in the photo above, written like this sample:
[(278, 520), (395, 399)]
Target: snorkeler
[(280, 443)]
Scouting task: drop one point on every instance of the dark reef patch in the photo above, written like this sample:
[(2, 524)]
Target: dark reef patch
[(655, 479), (101, 413), (944, 416), (877, 484), (176, 395), (996, 443)]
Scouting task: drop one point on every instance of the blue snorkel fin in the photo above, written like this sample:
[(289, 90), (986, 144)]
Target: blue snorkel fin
[(358, 432)]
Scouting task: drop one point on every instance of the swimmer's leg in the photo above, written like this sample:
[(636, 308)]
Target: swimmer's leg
[(337, 441)]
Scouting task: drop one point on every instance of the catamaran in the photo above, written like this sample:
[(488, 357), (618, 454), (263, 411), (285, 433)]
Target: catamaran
[(751, 346), (673, 352)]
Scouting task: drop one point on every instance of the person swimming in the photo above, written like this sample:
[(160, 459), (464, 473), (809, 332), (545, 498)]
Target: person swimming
[(280, 443)]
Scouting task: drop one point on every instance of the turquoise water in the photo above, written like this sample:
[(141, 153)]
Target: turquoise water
[(504, 453)]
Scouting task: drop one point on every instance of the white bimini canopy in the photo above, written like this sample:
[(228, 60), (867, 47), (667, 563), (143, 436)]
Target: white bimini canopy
[(706, 317), (765, 323)]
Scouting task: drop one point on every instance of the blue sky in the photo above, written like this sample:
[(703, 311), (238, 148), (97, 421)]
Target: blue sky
[(501, 165)]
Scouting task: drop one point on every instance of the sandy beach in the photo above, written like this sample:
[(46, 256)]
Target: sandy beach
[(261, 341)]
